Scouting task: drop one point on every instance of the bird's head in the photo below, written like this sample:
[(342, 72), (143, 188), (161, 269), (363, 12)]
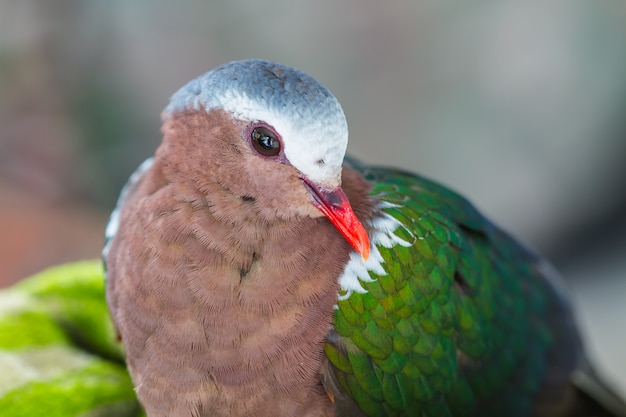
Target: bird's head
[(271, 136)]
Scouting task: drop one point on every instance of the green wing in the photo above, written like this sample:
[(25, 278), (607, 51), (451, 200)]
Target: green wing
[(462, 323), (58, 354)]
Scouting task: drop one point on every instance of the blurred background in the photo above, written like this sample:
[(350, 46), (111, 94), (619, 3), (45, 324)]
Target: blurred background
[(520, 105)]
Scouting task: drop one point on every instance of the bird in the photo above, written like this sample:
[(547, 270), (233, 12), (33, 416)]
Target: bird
[(254, 269)]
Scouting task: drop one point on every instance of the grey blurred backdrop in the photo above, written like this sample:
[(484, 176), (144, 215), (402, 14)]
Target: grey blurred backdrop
[(520, 105)]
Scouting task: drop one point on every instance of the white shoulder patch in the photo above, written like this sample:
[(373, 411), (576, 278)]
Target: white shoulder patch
[(357, 270), (114, 220)]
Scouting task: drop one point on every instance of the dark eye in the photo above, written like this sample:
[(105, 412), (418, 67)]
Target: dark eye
[(265, 141)]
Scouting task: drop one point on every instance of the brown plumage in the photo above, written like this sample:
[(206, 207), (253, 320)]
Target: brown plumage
[(243, 283), (222, 283)]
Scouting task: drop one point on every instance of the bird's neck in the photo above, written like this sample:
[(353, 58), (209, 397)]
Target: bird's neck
[(230, 316), (266, 299), (260, 297)]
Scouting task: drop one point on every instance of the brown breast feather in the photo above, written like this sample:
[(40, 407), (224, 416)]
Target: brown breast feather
[(222, 313)]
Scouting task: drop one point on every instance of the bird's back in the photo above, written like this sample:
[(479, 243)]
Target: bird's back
[(462, 321)]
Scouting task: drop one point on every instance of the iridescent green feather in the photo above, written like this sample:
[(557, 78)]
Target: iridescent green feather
[(457, 321)]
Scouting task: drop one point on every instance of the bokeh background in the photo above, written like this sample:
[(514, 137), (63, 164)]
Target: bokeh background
[(520, 105)]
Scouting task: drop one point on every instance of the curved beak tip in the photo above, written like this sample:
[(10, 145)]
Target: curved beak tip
[(362, 243)]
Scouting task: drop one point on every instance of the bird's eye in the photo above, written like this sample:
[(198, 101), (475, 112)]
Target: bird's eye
[(265, 141)]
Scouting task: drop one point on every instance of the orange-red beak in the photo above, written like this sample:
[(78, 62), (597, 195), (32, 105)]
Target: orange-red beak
[(336, 207)]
